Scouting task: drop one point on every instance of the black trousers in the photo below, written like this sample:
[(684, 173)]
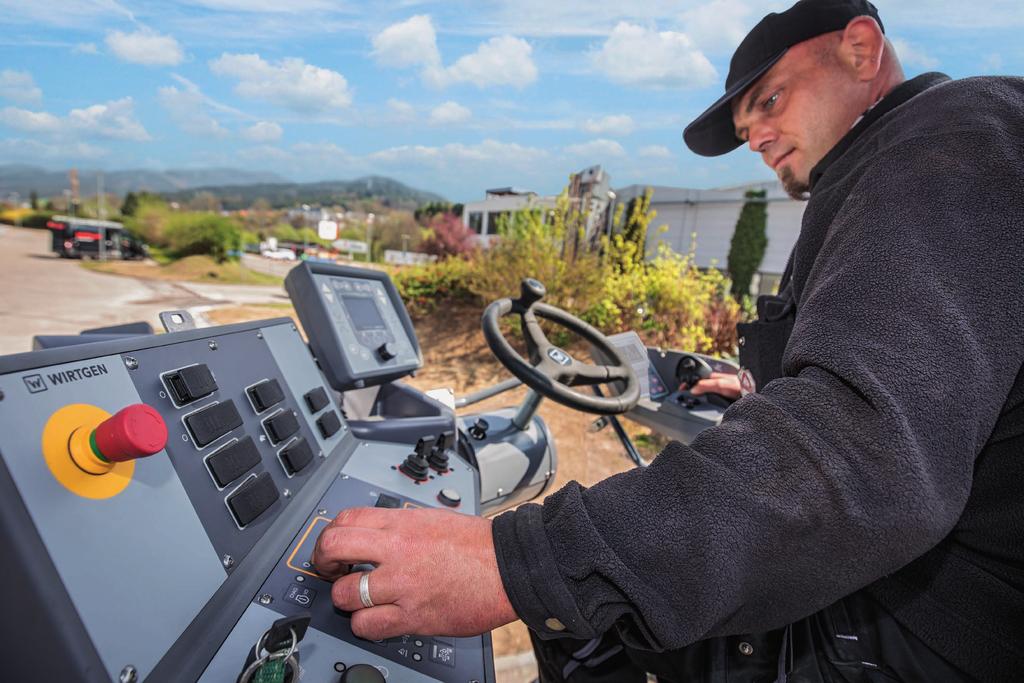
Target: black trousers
[(852, 641)]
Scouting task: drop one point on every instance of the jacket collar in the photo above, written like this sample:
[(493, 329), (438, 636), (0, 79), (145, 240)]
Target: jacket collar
[(899, 95)]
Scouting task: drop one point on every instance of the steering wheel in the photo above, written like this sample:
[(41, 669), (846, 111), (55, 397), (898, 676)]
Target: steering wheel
[(551, 371)]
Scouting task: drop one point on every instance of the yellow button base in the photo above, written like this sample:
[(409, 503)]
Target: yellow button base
[(69, 456)]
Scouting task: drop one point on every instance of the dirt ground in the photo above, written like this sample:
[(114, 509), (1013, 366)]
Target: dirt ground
[(456, 356)]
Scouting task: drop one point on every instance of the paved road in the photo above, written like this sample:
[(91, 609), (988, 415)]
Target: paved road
[(42, 294)]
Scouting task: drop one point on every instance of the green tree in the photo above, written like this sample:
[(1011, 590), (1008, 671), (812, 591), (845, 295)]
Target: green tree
[(130, 204), (749, 242), (33, 198), (628, 247)]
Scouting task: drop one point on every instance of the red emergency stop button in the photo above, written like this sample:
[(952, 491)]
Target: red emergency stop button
[(133, 432)]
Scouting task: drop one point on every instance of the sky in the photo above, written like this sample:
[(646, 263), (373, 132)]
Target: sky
[(453, 97)]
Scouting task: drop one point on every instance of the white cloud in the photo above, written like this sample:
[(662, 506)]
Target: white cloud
[(145, 47), (19, 87), (30, 121), (448, 113), (263, 131), (85, 49), (401, 111), (33, 150), (719, 25), (596, 150), (114, 120), (634, 55), (186, 109), (456, 155), (621, 124), (267, 6), (912, 55), (655, 152), (504, 60), (408, 43), (290, 82)]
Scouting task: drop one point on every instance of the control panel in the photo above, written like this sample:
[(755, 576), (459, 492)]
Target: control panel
[(159, 496), (357, 325)]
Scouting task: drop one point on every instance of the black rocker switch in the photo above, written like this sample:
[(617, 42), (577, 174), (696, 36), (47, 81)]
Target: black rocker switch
[(316, 399), (296, 456), (266, 394), (438, 459), (212, 422), (415, 464), (253, 498), (281, 426), (191, 383)]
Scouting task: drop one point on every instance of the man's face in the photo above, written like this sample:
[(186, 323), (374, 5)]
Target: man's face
[(794, 114)]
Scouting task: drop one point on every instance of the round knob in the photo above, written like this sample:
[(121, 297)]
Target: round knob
[(386, 351), (362, 673), (479, 429), (450, 497), (133, 432), (530, 292)]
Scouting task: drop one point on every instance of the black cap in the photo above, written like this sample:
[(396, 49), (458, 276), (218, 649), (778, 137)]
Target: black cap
[(712, 133)]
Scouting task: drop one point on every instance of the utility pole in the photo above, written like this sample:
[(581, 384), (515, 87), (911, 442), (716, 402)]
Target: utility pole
[(101, 206)]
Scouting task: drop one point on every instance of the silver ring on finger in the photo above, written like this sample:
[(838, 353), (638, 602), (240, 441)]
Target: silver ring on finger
[(364, 590)]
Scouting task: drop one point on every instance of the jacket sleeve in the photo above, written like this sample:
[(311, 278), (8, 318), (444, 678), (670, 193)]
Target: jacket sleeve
[(907, 340)]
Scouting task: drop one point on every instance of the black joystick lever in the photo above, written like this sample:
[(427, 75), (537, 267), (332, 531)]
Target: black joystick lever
[(479, 429), (530, 292), (415, 464), (438, 459)]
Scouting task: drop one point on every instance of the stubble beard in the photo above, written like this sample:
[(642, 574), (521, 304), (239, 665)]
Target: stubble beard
[(794, 187)]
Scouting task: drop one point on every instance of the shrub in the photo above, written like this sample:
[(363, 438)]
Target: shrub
[(425, 287), (749, 242), (448, 236), (203, 233)]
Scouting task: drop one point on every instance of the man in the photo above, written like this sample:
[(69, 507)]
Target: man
[(862, 512)]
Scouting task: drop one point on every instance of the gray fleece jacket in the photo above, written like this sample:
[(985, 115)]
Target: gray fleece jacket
[(888, 457)]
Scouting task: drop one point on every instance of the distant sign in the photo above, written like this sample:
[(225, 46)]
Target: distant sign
[(407, 258), (327, 230), (351, 246)]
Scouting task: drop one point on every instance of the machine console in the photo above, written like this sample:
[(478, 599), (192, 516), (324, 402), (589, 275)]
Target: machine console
[(159, 495), (357, 325)]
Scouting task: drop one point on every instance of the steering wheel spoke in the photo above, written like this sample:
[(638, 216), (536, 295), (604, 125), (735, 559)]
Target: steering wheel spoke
[(537, 343), (585, 374)]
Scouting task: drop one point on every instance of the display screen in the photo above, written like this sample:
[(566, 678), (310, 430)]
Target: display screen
[(364, 313)]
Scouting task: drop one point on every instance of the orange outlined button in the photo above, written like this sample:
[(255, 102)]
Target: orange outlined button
[(304, 550)]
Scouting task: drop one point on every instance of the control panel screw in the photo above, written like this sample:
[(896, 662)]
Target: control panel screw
[(212, 345), (322, 512), (287, 493), (746, 649), (259, 335), (266, 599), (131, 363), (227, 561), (294, 329), (344, 476), (128, 675)]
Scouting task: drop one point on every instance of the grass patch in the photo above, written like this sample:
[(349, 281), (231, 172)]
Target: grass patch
[(188, 269)]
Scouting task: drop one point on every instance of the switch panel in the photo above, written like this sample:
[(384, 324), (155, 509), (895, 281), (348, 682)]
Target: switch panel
[(191, 383), (252, 498), (232, 461), (210, 423), (265, 395), (281, 426)]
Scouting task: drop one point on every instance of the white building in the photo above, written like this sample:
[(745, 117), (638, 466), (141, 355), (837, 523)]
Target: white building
[(483, 217), (704, 220)]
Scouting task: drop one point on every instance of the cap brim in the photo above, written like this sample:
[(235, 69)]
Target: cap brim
[(712, 133)]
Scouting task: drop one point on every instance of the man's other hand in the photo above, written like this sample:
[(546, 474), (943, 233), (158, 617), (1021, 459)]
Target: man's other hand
[(720, 383), (436, 572)]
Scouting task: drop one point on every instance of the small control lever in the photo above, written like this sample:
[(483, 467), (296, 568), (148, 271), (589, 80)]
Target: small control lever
[(416, 465), (479, 429), (438, 459)]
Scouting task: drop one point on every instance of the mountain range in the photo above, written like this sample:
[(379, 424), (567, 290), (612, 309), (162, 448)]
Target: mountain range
[(236, 189)]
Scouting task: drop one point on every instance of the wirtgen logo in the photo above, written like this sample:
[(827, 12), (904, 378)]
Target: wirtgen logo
[(35, 383)]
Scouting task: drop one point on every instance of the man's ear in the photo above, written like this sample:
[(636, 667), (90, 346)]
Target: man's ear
[(861, 48)]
